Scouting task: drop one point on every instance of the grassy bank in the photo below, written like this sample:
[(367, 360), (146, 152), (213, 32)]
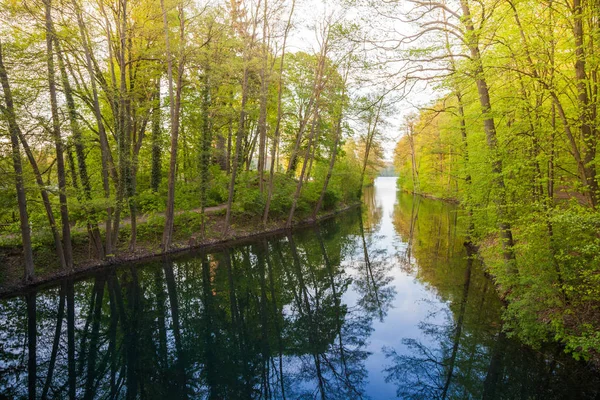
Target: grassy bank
[(188, 235), (552, 294)]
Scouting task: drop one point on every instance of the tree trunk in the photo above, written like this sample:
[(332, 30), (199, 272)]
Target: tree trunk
[(490, 133), (156, 141), (13, 128), (279, 115), (205, 147), (262, 119), (60, 161), (104, 146), (336, 142), (238, 146), (369, 142), (123, 129), (586, 114), (174, 105), (92, 224), (301, 178)]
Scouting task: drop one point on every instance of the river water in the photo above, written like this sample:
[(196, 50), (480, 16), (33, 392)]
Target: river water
[(378, 303)]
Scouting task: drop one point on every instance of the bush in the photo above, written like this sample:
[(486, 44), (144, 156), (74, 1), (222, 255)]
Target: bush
[(330, 200), (153, 228), (218, 189), (149, 201), (187, 223)]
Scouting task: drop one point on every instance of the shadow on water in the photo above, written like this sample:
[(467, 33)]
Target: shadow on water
[(296, 316)]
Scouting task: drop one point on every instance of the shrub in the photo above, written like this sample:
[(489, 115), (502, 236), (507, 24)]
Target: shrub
[(149, 201)]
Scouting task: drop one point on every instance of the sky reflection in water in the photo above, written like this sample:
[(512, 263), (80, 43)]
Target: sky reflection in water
[(377, 303)]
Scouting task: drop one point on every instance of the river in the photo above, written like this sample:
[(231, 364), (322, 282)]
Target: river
[(378, 303)]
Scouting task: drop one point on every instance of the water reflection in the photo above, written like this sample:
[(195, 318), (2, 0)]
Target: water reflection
[(262, 320), (306, 315), (462, 351)]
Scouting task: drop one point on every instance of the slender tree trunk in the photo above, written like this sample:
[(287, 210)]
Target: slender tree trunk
[(92, 224), (104, 146), (301, 178), (9, 113), (314, 149), (123, 126), (468, 180), (229, 145), (38, 176), (156, 141), (205, 146), (490, 133), (586, 117), (60, 161), (175, 103), (334, 149), (315, 99), (368, 144), (293, 162), (238, 146), (264, 87)]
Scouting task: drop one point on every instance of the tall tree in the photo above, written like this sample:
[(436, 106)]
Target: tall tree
[(9, 112), (60, 162)]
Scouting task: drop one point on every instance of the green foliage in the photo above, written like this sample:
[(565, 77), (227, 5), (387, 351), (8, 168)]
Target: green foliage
[(150, 201), (152, 228), (217, 190)]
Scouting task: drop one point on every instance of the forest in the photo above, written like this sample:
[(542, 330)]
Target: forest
[(131, 126), (512, 135), (137, 127)]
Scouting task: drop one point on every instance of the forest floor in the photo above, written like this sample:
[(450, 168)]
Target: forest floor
[(187, 235)]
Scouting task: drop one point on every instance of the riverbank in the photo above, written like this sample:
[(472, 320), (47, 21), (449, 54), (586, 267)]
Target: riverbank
[(186, 237), (552, 295)]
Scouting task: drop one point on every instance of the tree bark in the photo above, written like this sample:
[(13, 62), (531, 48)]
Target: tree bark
[(238, 146), (174, 105), (104, 146), (336, 141), (60, 161), (490, 133), (586, 113), (156, 141), (262, 119), (368, 143), (301, 178), (275, 143), (92, 224), (13, 128)]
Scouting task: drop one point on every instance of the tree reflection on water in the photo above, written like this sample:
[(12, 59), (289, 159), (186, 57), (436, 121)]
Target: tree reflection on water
[(261, 320), (284, 317), (462, 352)]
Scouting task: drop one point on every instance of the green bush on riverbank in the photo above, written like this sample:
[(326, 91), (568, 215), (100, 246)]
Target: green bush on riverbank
[(552, 283)]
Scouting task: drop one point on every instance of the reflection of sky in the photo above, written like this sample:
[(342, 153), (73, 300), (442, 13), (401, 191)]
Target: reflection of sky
[(412, 304)]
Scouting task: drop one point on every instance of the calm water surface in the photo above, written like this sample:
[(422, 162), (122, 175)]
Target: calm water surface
[(379, 303)]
